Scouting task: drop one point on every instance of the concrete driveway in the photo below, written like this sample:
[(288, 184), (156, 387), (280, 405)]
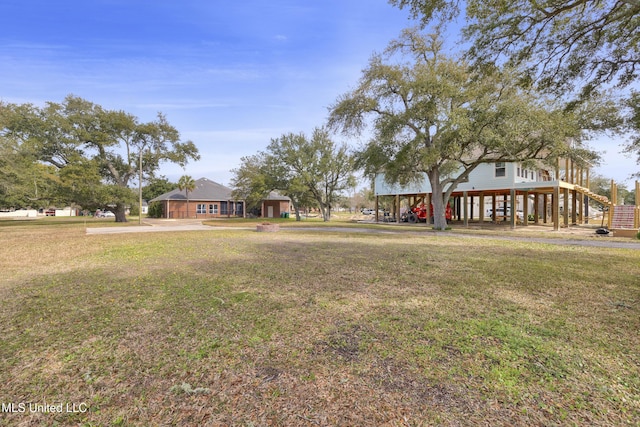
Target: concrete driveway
[(152, 225)]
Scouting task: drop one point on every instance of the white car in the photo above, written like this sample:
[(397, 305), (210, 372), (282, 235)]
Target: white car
[(369, 211), (500, 213), (105, 214)]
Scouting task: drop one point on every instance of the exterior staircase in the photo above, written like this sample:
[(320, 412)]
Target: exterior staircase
[(602, 199)]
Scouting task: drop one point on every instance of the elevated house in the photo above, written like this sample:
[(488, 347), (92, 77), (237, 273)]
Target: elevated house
[(513, 192), (207, 200)]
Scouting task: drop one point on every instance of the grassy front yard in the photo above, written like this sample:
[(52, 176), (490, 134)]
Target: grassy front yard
[(234, 327)]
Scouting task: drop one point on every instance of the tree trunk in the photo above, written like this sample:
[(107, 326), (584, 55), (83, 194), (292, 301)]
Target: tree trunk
[(120, 214), (326, 213), (439, 205), (296, 209)]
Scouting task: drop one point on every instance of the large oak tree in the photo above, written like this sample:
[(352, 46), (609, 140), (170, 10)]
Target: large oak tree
[(319, 164), (431, 114), (301, 168), (262, 173), (574, 49), (96, 152), (563, 45), (633, 122)]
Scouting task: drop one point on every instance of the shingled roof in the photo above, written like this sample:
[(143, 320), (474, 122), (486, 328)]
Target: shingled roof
[(205, 190), (274, 195)]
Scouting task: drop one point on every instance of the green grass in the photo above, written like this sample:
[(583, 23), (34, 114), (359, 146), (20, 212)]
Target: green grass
[(305, 327)]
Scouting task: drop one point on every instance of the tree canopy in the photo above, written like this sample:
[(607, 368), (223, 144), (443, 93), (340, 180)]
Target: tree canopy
[(93, 152), (23, 181), (299, 167), (563, 45), (633, 121), (262, 173), (157, 186), (432, 114)]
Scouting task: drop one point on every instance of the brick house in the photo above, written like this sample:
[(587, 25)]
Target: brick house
[(207, 200)]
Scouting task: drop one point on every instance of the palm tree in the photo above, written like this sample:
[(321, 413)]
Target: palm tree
[(188, 184)]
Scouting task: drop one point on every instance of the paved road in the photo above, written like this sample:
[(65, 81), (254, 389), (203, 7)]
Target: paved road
[(151, 226), (155, 225), (602, 242)]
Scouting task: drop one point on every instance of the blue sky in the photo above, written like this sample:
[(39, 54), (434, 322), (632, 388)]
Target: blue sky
[(230, 76)]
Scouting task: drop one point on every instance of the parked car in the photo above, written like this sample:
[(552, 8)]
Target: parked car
[(50, 212), (369, 211), (500, 213), (105, 214)]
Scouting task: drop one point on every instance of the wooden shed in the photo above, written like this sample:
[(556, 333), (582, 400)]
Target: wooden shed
[(276, 205)]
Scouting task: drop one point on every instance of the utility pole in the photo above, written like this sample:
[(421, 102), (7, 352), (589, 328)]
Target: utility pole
[(140, 187)]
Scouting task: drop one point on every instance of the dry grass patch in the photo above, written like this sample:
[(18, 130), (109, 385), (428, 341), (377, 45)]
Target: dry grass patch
[(308, 328)]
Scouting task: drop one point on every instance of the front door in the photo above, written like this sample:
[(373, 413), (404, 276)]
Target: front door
[(269, 211)]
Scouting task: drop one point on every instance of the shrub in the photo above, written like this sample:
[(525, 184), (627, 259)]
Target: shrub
[(155, 210)]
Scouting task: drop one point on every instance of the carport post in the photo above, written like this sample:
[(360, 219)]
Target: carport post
[(574, 207), (376, 208), (525, 208), (565, 206), (512, 203), (494, 204), (465, 209), (555, 208)]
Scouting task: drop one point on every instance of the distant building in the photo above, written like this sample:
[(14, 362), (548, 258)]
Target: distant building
[(275, 205), (207, 200), (544, 194)]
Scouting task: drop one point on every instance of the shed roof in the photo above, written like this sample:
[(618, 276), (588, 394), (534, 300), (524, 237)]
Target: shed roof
[(205, 190), (274, 195)]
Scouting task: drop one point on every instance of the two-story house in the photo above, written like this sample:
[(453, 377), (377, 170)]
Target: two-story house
[(503, 191)]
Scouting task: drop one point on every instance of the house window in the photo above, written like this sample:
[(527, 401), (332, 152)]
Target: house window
[(201, 208), (213, 209), (518, 174), (501, 169)]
